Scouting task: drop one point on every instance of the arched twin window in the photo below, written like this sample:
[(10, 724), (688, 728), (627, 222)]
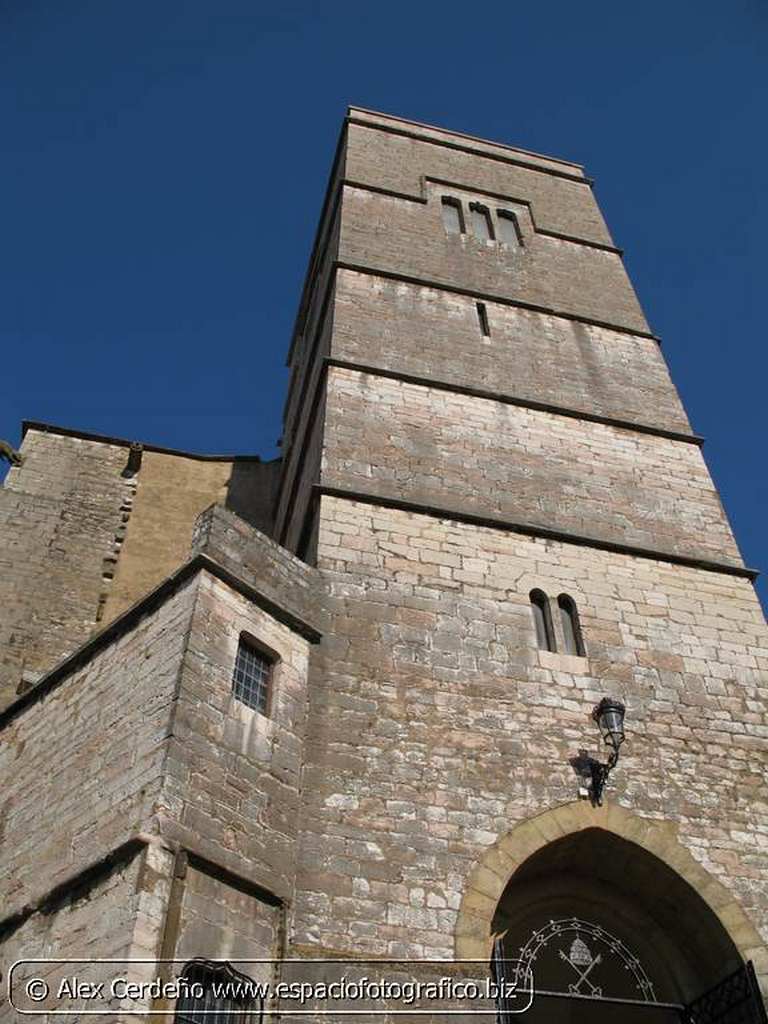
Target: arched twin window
[(544, 625), (542, 620), (569, 619)]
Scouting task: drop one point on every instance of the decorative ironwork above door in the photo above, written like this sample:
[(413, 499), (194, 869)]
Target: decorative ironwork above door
[(736, 1000), (578, 958)]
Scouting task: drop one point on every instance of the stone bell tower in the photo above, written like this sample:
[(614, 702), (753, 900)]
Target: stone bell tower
[(339, 706), (489, 464)]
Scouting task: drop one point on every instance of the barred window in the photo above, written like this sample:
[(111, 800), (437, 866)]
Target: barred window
[(215, 993), (252, 678)]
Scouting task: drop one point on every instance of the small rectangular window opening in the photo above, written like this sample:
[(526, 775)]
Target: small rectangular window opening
[(509, 229), (482, 227), (453, 216), (252, 678), (482, 316)]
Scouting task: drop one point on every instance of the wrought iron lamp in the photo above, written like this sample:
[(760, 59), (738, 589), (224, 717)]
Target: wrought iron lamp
[(609, 715)]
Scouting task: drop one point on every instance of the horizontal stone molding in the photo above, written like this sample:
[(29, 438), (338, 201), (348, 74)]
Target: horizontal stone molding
[(422, 200), (257, 561), (381, 116), (360, 268), (122, 442), (524, 403), (121, 855), (484, 154), (532, 530)]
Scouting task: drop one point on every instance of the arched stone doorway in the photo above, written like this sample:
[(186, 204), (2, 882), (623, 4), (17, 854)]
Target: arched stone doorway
[(604, 916), (600, 918)]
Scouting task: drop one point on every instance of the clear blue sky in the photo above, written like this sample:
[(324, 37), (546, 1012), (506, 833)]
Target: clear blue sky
[(164, 161)]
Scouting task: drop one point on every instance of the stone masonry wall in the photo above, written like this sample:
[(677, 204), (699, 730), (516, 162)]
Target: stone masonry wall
[(82, 537), (302, 413), (83, 765), (407, 238), (117, 913), (303, 437), (425, 332), (60, 513), (313, 323), (400, 164), (436, 724), (171, 493), (293, 535), (262, 563), (97, 922), (445, 136), (232, 775), (220, 921), (140, 740), (454, 451)]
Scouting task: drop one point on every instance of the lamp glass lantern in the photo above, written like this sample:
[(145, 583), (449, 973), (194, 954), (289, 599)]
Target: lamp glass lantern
[(609, 715)]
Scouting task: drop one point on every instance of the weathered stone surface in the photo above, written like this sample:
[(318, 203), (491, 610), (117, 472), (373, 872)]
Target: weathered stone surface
[(172, 490), (231, 789), (459, 745), (60, 515), (412, 329), (218, 921), (82, 537), (83, 765), (254, 558), (418, 747), (393, 162), (390, 234), (75, 929), (452, 451)]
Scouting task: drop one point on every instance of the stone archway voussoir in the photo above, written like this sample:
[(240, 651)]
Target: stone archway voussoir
[(492, 873)]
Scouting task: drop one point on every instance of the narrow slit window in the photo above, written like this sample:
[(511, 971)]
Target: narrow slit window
[(542, 620), (509, 229), (482, 227), (252, 678), (569, 618), (482, 316), (453, 216)]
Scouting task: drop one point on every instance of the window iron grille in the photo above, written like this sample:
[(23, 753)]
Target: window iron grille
[(252, 677), (215, 993), (736, 1000)]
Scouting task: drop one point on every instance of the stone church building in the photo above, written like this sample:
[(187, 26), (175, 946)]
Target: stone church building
[(340, 705)]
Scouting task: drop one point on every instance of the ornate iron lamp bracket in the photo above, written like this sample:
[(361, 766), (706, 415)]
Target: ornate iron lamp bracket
[(599, 776), (609, 715)]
